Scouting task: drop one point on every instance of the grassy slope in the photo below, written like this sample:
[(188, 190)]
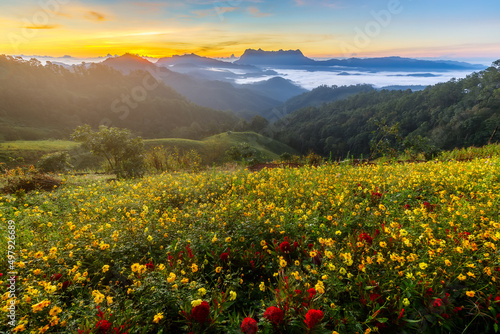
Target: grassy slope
[(212, 149)]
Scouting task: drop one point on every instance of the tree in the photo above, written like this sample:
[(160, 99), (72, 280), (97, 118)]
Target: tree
[(123, 152)]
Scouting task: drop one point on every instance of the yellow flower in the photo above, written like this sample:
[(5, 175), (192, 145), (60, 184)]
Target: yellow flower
[(19, 328), (109, 300), (406, 302), (342, 271), (423, 265), (40, 305), (338, 232), (43, 329), (161, 267), (462, 277), (470, 293), (202, 291), (214, 239), (262, 243), (218, 269), (21, 264), (297, 262), (37, 272), (383, 244), (262, 286), (55, 311), (283, 263), (313, 254), (135, 267), (196, 302), (185, 280), (320, 287), (105, 268), (157, 318), (194, 267), (98, 297), (232, 295), (447, 262), (228, 239), (171, 277)]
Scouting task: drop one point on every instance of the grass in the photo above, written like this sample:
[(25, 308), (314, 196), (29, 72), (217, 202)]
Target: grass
[(211, 149)]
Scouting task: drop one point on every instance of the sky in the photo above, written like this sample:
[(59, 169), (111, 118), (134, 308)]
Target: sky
[(444, 29)]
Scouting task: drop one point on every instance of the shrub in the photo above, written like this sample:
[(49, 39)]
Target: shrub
[(54, 162)]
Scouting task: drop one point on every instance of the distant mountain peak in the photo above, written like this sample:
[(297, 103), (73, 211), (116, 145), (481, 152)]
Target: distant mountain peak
[(280, 57)]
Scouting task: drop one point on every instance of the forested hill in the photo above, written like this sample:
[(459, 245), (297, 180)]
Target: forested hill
[(453, 114), (316, 97), (49, 101)]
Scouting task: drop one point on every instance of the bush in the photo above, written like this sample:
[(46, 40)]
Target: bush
[(123, 152), (54, 162), (20, 181)]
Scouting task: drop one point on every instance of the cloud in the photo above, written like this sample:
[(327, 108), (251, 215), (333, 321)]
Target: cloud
[(254, 11), (300, 2), (95, 16), (43, 26), (214, 11)]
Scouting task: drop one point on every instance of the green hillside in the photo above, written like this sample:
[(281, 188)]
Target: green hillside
[(457, 113), (211, 149), (43, 102)]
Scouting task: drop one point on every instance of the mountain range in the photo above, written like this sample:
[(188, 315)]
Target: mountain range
[(214, 83), (295, 58)]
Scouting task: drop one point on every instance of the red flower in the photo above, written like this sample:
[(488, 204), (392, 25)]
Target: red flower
[(55, 277), (66, 284), (200, 312), (375, 297), (150, 265), (224, 256), (285, 247), (312, 292), (401, 313), (438, 302), (274, 315), (249, 326), (298, 292), (365, 237), (102, 326), (313, 317)]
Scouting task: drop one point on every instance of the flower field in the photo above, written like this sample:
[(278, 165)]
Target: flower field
[(389, 248)]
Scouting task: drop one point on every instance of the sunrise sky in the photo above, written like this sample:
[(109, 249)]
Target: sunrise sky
[(320, 28)]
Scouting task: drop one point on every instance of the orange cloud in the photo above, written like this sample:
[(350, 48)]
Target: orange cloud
[(43, 26), (95, 16), (254, 11)]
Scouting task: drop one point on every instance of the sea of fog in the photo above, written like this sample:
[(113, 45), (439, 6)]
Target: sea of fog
[(313, 79), (310, 79)]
